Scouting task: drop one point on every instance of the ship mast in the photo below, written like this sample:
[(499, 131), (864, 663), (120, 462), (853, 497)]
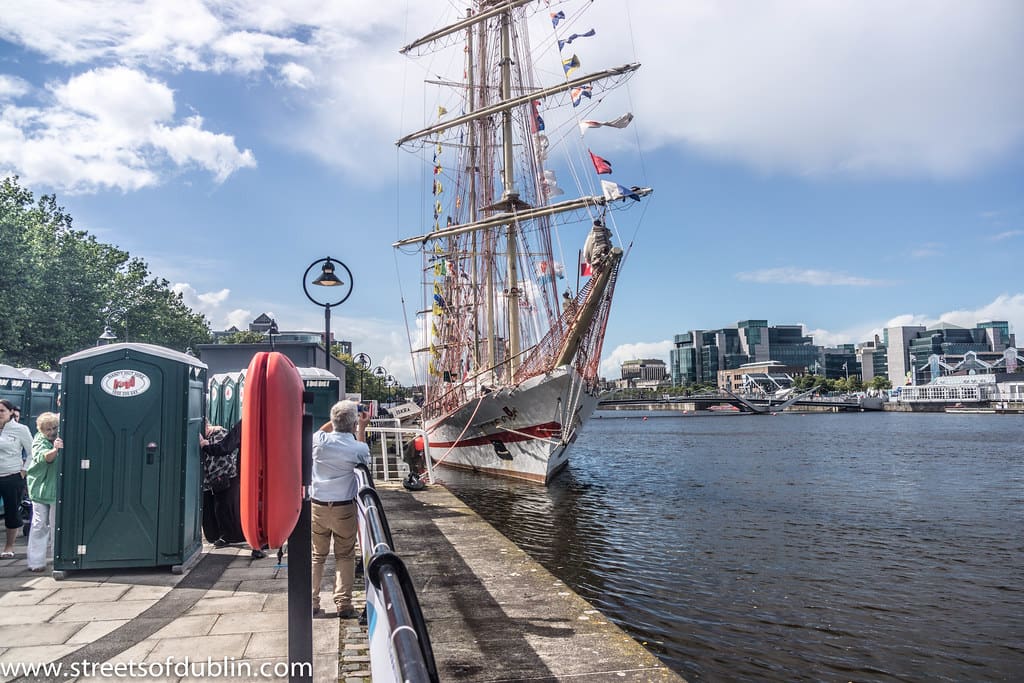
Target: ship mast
[(472, 171), (510, 196)]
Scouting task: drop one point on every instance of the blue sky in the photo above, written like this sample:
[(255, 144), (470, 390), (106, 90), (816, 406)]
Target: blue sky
[(843, 165)]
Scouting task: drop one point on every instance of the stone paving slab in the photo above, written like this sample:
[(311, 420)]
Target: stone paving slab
[(101, 593), (493, 613), (38, 633), (255, 622), (95, 630), (85, 612)]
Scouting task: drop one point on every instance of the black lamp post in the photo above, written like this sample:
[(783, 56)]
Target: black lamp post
[(271, 331), (327, 278), (392, 383), (363, 362), (380, 373), (107, 337)]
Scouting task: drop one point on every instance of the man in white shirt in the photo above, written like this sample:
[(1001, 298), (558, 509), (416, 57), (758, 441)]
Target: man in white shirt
[(338, 446)]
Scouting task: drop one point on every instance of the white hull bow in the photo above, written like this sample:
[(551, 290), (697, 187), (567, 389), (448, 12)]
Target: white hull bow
[(520, 432)]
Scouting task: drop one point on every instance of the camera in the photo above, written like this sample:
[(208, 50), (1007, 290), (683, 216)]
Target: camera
[(361, 408)]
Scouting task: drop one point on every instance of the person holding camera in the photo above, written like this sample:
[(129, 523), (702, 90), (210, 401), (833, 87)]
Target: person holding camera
[(338, 446), (41, 478)]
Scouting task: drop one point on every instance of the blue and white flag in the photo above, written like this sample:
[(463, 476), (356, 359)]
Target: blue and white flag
[(579, 93), (574, 36), (613, 191), (556, 17)]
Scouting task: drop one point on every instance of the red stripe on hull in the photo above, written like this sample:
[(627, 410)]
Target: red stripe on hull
[(541, 431)]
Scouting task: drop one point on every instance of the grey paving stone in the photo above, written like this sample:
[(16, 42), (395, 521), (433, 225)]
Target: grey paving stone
[(125, 609), (250, 622)]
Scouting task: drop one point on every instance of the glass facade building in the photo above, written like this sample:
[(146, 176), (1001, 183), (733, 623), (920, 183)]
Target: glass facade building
[(698, 355)]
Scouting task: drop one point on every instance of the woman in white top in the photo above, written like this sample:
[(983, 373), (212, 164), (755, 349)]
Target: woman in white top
[(15, 445)]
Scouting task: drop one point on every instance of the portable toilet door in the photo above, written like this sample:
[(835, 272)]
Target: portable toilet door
[(215, 403), (42, 398), (240, 392), (129, 490), (16, 387), (229, 388)]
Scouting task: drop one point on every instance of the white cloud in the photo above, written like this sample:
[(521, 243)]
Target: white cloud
[(12, 87), (611, 364), (214, 306), (1006, 235), (213, 298), (1008, 307), (247, 52), (214, 152), (112, 128), (806, 87), (117, 98), (793, 86), (238, 318), (800, 276), (297, 75)]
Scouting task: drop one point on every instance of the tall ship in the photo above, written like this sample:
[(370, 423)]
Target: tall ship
[(518, 280)]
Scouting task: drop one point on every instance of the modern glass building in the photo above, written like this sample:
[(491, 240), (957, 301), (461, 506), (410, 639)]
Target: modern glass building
[(698, 355), (927, 351)]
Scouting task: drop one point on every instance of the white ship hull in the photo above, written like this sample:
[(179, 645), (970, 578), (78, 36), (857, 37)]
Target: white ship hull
[(521, 433)]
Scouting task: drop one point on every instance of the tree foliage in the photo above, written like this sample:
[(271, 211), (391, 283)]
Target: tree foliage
[(880, 382), (244, 337), (59, 287)]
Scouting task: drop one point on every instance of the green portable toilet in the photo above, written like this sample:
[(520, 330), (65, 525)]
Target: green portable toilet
[(229, 388), (325, 387), (129, 488), (42, 396), (16, 387), (240, 392), (215, 402)]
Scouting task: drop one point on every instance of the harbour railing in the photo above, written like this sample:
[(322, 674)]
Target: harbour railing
[(399, 642), (389, 430)]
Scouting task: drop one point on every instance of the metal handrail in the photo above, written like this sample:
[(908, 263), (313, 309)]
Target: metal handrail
[(392, 596), (416, 431)]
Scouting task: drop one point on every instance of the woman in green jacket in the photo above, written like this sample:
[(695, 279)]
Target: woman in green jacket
[(41, 477)]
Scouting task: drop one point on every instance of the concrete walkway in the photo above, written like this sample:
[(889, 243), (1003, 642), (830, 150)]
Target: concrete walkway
[(493, 613), (228, 608)]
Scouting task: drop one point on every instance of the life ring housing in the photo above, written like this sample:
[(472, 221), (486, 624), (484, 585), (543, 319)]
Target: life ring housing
[(271, 455)]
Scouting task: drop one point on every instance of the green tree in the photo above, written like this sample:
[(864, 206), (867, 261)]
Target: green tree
[(60, 286), (879, 383), (244, 337)]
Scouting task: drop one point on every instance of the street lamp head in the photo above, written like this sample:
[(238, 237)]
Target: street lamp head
[(107, 336), (327, 277)]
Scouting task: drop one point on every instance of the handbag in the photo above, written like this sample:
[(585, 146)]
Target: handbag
[(220, 484)]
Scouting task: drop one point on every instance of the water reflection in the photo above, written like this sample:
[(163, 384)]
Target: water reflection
[(826, 547)]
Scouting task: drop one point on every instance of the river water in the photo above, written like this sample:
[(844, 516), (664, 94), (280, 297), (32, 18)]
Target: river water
[(823, 547)]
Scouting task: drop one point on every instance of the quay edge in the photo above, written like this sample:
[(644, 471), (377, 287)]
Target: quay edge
[(493, 613)]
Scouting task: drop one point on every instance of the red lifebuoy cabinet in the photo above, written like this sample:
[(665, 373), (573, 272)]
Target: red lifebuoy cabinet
[(271, 456)]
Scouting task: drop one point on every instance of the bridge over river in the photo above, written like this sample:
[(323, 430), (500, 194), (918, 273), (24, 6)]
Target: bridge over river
[(747, 404)]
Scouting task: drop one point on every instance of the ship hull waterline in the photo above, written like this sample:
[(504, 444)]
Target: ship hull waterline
[(520, 432)]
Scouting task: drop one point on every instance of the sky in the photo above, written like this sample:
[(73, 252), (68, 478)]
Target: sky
[(845, 165)]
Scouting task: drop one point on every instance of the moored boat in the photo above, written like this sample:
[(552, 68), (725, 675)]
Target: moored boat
[(509, 359)]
